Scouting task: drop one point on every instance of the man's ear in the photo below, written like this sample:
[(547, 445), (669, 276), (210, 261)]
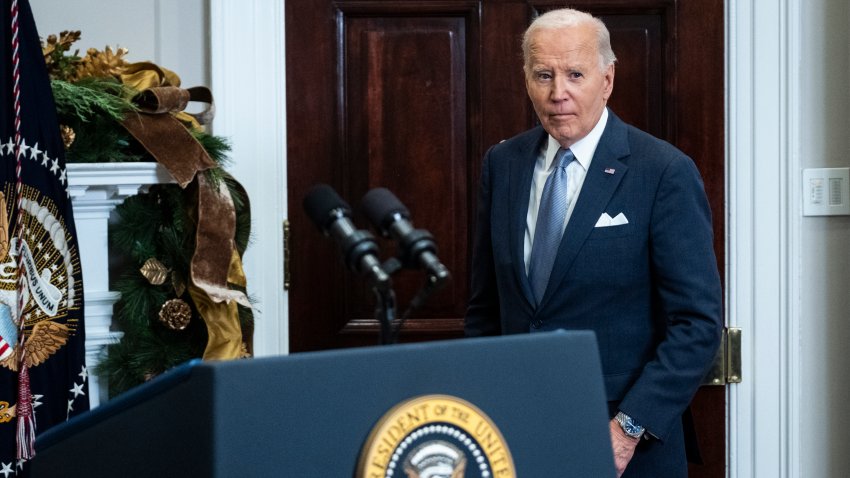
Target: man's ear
[(609, 82)]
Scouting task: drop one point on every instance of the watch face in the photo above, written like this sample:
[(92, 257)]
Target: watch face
[(629, 426)]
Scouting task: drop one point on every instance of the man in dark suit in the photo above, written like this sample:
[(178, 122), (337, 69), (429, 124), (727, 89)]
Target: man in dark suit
[(585, 222)]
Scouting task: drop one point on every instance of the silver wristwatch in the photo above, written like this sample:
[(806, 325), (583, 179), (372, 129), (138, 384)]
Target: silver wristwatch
[(629, 426)]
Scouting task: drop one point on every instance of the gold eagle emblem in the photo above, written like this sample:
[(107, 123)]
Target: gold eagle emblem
[(45, 339)]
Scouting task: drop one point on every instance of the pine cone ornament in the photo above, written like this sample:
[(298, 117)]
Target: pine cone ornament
[(101, 64), (175, 314), (68, 135)]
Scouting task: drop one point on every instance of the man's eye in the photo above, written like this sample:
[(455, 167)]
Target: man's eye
[(575, 75), (544, 76)]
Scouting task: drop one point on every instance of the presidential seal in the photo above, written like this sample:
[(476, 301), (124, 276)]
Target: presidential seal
[(52, 290), (435, 436)]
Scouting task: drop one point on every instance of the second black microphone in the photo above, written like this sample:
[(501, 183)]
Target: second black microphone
[(389, 216)]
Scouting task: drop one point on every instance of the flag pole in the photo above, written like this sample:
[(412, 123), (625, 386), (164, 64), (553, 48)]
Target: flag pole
[(26, 417)]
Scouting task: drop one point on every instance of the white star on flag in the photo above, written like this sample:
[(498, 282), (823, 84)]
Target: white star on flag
[(34, 151), (77, 390)]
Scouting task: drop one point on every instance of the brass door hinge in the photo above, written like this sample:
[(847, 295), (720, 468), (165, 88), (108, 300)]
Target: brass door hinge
[(287, 250), (727, 364)]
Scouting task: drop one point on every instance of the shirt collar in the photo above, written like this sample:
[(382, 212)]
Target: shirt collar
[(584, 148)]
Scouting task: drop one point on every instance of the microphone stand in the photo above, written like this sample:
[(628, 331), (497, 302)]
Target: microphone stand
[(385, 304), (385, 313), (432, 284)]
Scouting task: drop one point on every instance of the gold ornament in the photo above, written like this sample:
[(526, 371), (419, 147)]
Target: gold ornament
[(154, 271), (175, 314), (101, 64), (60, 45), (68, 135), (56, 58)]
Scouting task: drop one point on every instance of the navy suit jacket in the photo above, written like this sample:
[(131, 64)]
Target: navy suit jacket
[(649, 289)]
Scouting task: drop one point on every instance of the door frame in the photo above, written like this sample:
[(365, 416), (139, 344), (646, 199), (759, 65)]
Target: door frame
[(762, 99), (763, 103), (248, 78)]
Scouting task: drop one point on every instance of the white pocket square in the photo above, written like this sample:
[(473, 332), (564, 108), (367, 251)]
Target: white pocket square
[(607, 221)]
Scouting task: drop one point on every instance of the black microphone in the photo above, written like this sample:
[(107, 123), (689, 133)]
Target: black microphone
[(392, 219), (359, 250)]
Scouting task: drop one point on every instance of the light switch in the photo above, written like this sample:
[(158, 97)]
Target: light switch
[(826, 192)]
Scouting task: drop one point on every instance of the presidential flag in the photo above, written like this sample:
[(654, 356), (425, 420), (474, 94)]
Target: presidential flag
[(43, 378)]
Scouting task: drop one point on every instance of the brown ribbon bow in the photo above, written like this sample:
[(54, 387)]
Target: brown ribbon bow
[(160, 127)]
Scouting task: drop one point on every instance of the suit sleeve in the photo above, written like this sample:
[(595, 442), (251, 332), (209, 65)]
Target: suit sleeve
[(482, 313), (689, 300)]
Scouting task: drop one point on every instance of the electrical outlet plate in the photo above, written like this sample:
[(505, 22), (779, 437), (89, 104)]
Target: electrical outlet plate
[(826, 192)]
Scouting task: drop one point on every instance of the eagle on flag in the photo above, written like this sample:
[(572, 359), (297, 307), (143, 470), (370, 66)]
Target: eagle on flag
[(43, 377)]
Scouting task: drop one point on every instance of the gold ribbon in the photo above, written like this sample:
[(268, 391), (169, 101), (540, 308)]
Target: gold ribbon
[(159, 128), (145, 76)]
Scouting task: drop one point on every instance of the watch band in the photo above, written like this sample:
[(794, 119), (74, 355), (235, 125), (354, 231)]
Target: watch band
[(629, 426)]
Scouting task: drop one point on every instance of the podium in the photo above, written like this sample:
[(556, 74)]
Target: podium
[(526, 405)]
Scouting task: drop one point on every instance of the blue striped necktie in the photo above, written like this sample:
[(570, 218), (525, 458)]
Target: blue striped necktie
[(550, 224)]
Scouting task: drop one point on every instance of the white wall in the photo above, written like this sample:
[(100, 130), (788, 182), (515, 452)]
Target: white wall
[(825, 244), (171, 33)]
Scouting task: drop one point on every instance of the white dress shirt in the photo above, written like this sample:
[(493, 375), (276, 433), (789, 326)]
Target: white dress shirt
[(583, 151)]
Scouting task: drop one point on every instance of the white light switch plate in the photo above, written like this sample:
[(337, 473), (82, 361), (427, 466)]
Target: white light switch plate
[(826, 191)]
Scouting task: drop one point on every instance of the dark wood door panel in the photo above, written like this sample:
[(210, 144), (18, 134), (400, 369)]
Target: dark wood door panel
[(402, 81), (406, 129), (640, 95)]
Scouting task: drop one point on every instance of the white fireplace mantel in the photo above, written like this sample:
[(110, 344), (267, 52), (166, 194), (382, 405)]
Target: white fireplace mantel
[(95, 190)]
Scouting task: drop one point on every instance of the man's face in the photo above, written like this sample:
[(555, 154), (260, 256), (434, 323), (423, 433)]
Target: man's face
[(565, 82)]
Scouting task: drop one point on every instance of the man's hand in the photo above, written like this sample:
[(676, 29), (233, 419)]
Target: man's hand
[(623, 446)]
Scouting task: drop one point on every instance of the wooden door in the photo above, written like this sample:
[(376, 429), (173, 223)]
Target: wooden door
[(409, 94)]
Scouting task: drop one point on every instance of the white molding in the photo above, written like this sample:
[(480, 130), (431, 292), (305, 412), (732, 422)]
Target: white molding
[(114, 180), (763, 260), (95, 190), (793, 195), (248, 81)]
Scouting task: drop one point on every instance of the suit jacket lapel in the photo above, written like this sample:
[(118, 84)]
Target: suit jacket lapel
[(599, 185), (522, 170)]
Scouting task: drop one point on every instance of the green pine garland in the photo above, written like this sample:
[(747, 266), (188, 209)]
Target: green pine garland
[(146, 229), (157, 224), (93, 108), (91, 103), (90, 98)]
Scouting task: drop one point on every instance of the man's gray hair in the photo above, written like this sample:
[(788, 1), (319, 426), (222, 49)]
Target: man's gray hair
[(568, 17)]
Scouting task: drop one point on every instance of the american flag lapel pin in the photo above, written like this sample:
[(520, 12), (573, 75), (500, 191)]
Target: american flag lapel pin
[(609, 170)]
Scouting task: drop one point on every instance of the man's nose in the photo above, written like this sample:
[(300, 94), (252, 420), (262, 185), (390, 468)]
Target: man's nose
[(560, 89)]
